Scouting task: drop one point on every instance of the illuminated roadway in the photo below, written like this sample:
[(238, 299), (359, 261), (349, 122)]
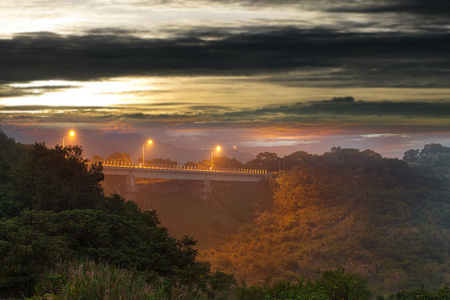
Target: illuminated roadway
[(183, 172), (127, 174)]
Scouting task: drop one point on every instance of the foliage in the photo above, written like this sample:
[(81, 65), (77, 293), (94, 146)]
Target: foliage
[(56, 179), (377, 217), (129, 240), (331, 285), (123, 158), (266, 161), (12, 151), (225, 162), (27, 244), (422, 293), (435, 157), (55, 209), (160, 161), (205, 163)]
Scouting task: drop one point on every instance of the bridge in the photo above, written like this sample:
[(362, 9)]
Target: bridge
[(128, 172)]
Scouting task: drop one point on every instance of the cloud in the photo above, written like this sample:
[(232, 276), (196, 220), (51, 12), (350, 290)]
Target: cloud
[(383, 59), (417, 7), (336, 112)]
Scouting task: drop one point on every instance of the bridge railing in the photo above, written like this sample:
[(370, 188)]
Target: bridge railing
[(107, 163)]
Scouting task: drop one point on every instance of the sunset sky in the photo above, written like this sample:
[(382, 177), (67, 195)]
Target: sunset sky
[(258, 75)]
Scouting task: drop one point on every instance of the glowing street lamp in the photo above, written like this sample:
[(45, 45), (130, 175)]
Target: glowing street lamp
[(149, 142), (71, 134), (218, 148)]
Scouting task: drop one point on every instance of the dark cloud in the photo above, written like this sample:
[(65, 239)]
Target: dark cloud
[(377, 59), (347, 107), (209, 107), (417, 7)]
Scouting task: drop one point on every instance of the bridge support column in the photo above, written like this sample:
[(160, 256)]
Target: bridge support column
[(207, 190), (130, 193)]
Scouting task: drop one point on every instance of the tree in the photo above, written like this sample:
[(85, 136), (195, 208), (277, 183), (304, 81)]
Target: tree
[(120, 157), (226, 162), (56, 179), (411, 155), (266, 160), (205, 163), (160, 161), (296, 159), (433, 148), (13, 152), (7, 206), (118, 234)]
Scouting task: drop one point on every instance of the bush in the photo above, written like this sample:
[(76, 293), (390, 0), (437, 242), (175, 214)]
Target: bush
[(331, 285)]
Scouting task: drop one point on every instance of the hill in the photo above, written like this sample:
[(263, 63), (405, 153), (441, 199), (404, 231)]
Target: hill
[(379, 218)]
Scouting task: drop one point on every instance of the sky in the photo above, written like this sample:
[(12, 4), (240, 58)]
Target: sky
[(251, 75)]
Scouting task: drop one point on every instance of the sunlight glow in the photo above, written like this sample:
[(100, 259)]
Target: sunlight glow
[(77, 93)]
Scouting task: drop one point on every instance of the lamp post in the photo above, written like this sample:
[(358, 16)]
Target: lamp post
[(218, 148), (149, 142), (71, 134)]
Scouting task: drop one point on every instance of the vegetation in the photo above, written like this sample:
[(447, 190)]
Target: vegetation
[(123, 158), (383, 220), (330, 285), (379, 218), (53, 210), (160, 161)]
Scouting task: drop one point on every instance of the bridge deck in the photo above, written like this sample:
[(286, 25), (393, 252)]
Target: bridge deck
[(182, 168), (183, 172)]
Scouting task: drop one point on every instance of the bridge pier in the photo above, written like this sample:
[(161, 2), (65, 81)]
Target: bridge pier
[(207, 189), (131, 195), (125, 185)]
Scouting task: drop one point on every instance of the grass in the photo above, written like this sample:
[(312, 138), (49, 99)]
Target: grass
[(89, 280)]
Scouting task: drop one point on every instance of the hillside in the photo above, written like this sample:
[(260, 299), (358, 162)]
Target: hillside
[(378, 218)]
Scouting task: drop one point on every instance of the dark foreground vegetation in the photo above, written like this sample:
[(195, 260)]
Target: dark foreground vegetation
[(62, 238)]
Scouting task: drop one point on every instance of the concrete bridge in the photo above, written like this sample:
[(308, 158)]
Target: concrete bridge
[(128, 172)]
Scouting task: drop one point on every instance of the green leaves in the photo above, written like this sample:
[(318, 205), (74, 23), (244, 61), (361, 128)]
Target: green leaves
[(56, 179)]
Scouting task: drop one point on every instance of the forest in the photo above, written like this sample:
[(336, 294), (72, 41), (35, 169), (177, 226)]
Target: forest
[(384, 219), (347, 224)]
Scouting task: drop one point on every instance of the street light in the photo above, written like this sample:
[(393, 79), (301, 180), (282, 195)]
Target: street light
[(71, 134), (218, 148), (149, 142)]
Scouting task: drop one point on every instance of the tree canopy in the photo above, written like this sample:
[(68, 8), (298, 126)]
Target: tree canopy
[(52, 208)]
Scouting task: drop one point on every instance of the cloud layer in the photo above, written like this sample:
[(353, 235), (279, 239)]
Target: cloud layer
[(393, 60)]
